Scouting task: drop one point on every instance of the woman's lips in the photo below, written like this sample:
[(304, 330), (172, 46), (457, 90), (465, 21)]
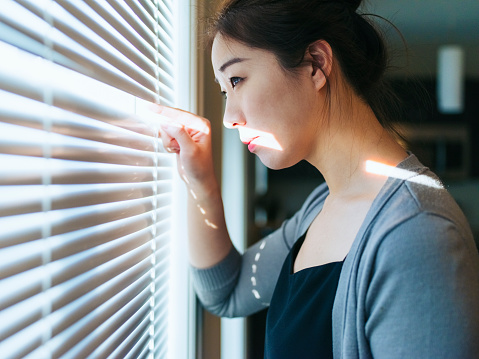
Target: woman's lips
[(253, 138), (249, 143)]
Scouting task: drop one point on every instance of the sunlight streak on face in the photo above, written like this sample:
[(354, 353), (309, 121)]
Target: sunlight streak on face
[(391, 171), (259, 138)]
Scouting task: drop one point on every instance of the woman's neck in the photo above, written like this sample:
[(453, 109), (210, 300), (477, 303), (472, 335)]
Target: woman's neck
[(354, 136)]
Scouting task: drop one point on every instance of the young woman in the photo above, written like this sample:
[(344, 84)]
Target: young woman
[(379, 261)]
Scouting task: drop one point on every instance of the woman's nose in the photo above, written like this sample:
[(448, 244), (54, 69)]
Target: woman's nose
[(233, 117)]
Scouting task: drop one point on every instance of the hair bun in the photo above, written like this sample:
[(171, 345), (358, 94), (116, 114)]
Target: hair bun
[(353, 4)]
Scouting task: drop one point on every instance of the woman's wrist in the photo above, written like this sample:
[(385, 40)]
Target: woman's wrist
[(206, 190)]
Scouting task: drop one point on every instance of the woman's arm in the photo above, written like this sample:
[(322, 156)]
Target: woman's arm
[(189, 136)]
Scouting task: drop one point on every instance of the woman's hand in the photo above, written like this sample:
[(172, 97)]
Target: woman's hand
[(189, 136)]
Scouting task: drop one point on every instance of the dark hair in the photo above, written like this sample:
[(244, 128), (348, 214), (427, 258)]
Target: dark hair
[(288, 27)]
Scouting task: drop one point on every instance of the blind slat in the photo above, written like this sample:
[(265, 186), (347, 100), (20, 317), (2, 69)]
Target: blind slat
[(68, 268), (120, 43), (103, 9), (107, 32), (27, 284), (30, 325), (166, 11), (165, 54), (20, 314), (27, 227), (141, 349), (23, 141), (20, 258), (80, 312), (18, 200), (74, 314), (23, 342), (120, 335), (135, 342), (161, 17), (79, 283), (17, 110), (65, 51), (26, 256), (162, 34), (160, 329), (28, 170), (143, 16), (73, 219), (83, 337), (84, 290), (89, 97), (87, 38), (18, 36), (142, 29), (148, 7), (75, 242), (83, 217)]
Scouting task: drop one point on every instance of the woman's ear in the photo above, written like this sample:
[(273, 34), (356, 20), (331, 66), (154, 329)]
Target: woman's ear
[(321, 56)]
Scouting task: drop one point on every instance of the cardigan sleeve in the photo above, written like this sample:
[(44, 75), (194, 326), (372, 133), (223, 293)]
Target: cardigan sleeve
[(243, 284), (423, 297)]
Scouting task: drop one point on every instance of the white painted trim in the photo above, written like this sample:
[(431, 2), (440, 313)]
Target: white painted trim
[(182, 313), (233, 331)]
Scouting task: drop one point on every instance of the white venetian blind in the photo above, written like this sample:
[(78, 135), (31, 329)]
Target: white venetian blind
[(85, 187)]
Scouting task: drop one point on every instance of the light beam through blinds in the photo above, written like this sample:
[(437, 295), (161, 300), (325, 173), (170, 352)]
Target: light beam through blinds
[(85, 185)]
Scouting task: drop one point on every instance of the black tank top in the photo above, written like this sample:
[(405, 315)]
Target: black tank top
[(299, 322)]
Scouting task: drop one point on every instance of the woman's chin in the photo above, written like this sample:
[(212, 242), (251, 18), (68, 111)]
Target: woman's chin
[(275, 162)]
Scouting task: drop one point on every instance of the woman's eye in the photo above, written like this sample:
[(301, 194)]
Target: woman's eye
[(234, 81)]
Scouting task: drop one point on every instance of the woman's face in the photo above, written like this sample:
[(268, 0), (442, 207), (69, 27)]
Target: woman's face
[(275, 112)]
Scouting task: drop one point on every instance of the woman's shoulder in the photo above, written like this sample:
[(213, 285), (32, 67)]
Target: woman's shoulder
[(417, 209), (414, 190), (418, 225)]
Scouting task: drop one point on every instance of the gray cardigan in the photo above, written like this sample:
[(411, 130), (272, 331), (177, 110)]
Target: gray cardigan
[(409, 287)]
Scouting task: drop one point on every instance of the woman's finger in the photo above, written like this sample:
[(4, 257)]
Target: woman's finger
[(179, 135), (169, 143), (183, 118)]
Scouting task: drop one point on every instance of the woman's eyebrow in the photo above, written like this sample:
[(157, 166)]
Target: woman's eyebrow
[(231, 62)]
